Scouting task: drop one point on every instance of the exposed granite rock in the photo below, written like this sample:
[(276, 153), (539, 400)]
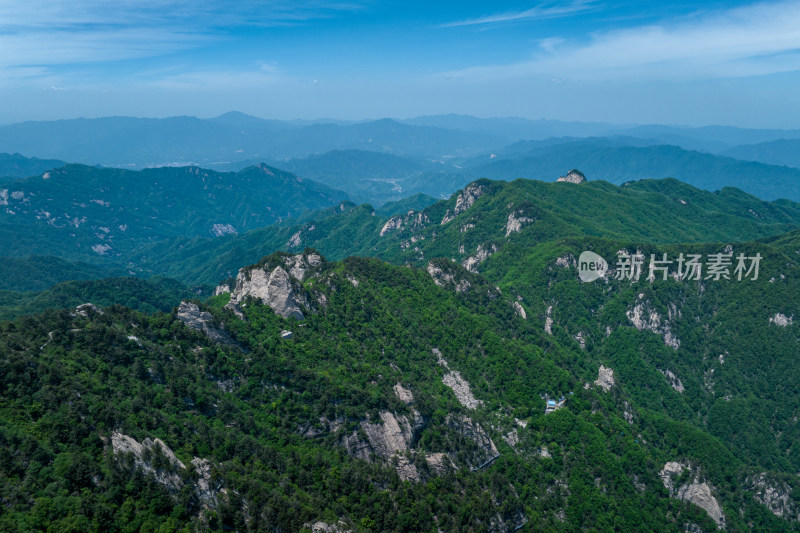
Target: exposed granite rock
[(673, 380), (457, 384), (645, 318), (464, 201), (776, 495), (446, 277), (87, 309), (548, 320), (779, 319), (390, 439), (393, 224), (411, 220), (481, 254), (403, 394), (220, 230), (273, 289), (222, 288), (696, 492), (170, 471), (605, 378), (573, 176), (323, 527), (520, 311), (566, 261), (515, 222), (190, 314)]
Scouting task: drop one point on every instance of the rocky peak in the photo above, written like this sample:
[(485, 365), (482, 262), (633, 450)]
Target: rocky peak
[(573, 176), (276, 282)]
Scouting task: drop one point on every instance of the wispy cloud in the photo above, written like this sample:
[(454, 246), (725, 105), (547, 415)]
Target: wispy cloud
[(754, 40), (48, 33), (541, 11)]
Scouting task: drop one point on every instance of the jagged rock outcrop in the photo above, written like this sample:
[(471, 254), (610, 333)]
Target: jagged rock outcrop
[(444, 275), (645, 318), (515, 222), (467, 427), (464, 201), (605, 378), (481, 254), (776, 495), (299, 265), (272, 288), (190, 314), (275, 282), (169, 470), (696, 492), (673, 380), (520, 311), (411, 220), (324, 527), (457, 384), (390, 439), (573, 176)]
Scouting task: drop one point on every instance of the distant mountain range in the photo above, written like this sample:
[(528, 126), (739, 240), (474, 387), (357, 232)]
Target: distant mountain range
[(19, 166)]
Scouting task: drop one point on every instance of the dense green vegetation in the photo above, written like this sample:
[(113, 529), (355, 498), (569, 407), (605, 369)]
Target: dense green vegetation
[(705, 374), (102, 215), (148, 296)]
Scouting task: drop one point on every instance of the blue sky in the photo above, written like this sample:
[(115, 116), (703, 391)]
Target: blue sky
[(689, 63)]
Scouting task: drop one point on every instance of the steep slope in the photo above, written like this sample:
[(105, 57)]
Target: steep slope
[(93, 213), (414, 399), (490, 214)]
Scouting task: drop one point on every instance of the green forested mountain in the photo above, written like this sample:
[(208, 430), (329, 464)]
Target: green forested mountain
[(19, 166), (606, 160), (89, 213), (148, 296), (411, 391), (663, 211)]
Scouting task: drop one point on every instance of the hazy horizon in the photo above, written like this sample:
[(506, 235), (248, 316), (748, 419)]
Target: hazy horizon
[(687, 63)]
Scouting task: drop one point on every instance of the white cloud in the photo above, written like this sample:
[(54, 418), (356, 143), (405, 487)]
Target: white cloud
[(541, 11), (47, 33), (754, 40)]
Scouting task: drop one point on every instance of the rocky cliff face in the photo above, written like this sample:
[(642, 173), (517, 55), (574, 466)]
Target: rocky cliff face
[(776, 495), (644, 317), (276, 284), (190, 314), (464, 201), (154, 458), (696, 492)]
